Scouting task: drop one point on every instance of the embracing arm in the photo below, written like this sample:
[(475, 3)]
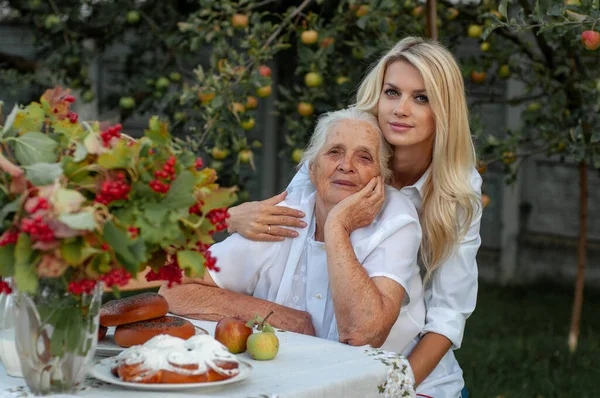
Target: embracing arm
[(201, 299), (452, 300)]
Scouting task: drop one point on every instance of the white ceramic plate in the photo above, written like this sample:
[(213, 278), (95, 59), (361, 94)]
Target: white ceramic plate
[(108, 348), (101, 371)]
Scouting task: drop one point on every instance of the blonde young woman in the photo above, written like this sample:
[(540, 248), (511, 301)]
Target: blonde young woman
[(417, 92)]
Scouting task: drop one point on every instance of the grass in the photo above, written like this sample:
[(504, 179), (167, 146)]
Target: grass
[(515, 344)]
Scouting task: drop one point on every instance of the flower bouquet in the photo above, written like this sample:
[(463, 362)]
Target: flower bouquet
[(84, 205)]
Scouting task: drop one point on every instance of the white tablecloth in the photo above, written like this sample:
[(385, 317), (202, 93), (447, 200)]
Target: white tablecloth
[(305, 366)]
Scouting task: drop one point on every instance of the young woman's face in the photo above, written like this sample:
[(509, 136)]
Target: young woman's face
[(404, 113)]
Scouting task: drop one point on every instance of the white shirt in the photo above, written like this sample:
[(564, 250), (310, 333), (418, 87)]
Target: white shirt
[(450, 294), (267, 270)]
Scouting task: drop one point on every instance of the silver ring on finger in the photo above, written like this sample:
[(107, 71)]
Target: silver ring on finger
[(268, 229)]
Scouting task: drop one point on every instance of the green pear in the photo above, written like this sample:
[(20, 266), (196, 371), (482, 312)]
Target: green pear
[(262, 345)]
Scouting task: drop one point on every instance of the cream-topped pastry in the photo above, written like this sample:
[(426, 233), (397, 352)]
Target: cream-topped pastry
[(168, 359)]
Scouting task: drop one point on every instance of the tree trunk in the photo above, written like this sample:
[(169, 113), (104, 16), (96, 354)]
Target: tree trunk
[(581, 257), (431, 19)]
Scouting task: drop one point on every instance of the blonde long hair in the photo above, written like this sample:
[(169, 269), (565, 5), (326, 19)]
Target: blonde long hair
[(449, 200)]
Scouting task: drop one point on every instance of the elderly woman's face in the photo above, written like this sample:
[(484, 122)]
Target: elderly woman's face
[(348, 160)]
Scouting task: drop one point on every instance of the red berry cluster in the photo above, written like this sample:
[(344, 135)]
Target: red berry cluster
[(218, 218), (112, 190), (37, 228), (42, 204), (82, 286), (8, 238), (112, 132), (5, 288), (198, 164), (133, 232), (119, 277), (167, 173), (72, 116), (196, 208), (169, 272), (210, 262)]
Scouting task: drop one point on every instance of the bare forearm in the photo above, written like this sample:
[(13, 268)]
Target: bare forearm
[(427, 354), (212, 303), (359, 316)]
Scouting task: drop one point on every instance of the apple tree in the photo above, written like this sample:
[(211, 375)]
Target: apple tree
[(551, 48)]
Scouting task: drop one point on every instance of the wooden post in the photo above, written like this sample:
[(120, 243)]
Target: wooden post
[(431, 19)]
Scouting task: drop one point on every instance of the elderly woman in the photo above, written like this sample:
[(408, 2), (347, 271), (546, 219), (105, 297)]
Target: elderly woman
[(359, 288)]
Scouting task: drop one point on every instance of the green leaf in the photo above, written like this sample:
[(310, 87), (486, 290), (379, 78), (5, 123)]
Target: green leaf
[(75, 332), (362, 22), (7, 260), (9, 208), (30, 119), (220, 197), (118, 240), (10, 119), (191, 262), (489, 30), (164, 234), (67, 200), (126, 215), (503, 8), (156, 214), (83, 221), (23, 249), (140, 251), (26, 277), (35, 147), (71, 251), (59, 334), (120, 157), (41, 174), (158, 131), (80, 152), (181, 193)]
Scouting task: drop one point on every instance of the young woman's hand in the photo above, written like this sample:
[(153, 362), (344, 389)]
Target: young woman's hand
[(359, 209), (263, 221)]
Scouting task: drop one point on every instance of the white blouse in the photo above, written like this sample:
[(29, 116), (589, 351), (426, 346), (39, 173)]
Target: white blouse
[(450, 294), (293, 272)]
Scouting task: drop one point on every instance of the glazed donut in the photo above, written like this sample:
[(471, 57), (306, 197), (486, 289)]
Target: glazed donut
[(166, 359), (133, 309), (140, 332)]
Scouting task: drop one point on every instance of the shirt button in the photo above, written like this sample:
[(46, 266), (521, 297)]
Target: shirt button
[(318, 296)]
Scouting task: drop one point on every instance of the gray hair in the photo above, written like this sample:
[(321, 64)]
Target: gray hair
[(329, 119)]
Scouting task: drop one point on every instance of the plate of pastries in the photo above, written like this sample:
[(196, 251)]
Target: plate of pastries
[(135, 320), (171, 363), (159, 352)]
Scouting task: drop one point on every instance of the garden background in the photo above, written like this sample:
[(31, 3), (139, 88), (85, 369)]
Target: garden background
[(242, 82)]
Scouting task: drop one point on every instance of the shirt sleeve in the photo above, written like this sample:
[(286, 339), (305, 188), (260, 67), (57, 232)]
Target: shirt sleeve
[(240, 262), (396, 256), (451, 294)]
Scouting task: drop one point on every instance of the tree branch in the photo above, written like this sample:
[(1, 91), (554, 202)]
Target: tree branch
[(285, 22), (540, 40)]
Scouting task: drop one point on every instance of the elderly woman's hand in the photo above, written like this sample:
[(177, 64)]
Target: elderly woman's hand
[(359, 209), (263, 221)]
